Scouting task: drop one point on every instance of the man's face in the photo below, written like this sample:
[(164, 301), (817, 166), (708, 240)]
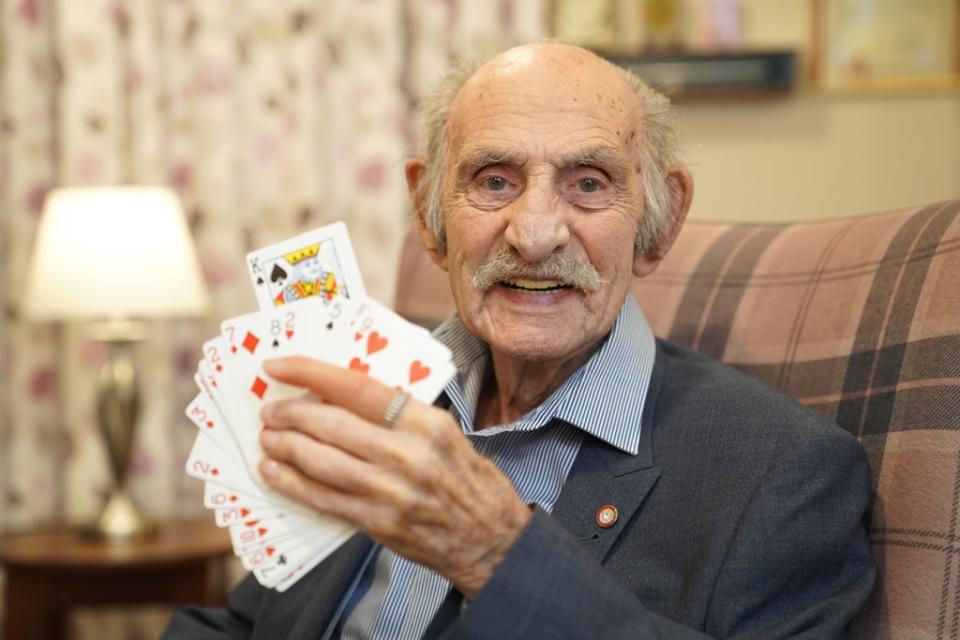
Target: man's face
[(310, 269), (543, 165)]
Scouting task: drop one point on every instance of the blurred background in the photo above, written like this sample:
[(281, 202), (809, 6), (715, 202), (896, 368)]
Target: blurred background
[(272, 117)]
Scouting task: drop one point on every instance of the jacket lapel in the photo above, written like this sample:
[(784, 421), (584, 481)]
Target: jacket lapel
[(334, 579), (602, 475)]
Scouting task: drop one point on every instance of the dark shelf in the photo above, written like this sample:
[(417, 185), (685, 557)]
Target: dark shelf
[(735, 74)]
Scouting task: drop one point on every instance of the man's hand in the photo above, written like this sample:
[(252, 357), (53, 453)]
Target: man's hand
[(418, 488)]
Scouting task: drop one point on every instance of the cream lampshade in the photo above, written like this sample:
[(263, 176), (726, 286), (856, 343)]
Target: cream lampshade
[(114, 253), (115, 256)]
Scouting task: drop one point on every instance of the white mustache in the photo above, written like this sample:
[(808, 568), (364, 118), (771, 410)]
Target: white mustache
[(507, 264)]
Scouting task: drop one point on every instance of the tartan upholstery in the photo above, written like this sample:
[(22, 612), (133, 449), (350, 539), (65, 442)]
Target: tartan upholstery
[(858, 319)]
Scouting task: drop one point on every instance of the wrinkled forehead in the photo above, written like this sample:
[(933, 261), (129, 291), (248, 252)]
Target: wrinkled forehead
[(564, 84)]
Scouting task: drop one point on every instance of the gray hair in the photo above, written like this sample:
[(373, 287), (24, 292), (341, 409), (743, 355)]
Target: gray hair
[(658, 152)]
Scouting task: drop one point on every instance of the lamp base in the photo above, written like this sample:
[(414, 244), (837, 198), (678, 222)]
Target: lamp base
[(120, 520)]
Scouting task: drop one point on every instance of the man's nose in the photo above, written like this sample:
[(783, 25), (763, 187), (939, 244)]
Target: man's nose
[(537, 223)]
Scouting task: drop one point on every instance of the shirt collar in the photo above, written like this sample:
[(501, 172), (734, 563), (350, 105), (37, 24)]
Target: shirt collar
[(592, 399)]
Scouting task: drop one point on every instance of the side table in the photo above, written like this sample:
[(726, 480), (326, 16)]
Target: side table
[(49, 573)]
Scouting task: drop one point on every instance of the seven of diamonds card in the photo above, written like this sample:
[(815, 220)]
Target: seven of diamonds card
[(312, 303)]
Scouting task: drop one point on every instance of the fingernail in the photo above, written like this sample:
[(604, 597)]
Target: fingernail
[(268, 438), (269, 468)]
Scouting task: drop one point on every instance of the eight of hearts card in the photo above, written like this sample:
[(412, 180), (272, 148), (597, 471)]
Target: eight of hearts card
[(277, 539)]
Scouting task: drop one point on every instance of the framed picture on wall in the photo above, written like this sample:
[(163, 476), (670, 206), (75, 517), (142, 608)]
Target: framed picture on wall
[(886, 45)]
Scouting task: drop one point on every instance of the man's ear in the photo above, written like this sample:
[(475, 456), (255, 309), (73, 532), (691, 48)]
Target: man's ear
[(414, 170), (680, 183)]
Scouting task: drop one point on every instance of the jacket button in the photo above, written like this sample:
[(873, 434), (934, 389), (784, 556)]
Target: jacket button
[(606, 516)]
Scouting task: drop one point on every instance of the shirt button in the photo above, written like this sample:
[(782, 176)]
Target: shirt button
[(607, 516)]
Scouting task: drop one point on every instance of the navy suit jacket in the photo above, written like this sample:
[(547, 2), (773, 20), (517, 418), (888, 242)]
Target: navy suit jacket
[(742, 516)]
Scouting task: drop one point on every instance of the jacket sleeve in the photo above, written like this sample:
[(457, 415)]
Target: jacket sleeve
[(798, 566), (236, 620)]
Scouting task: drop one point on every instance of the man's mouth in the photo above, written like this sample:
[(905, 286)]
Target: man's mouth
[(524, 284)]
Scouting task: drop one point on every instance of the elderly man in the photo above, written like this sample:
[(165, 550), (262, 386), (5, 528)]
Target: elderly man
[(578, 478)]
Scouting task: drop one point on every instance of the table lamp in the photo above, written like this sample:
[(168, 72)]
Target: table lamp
[(114, 257)]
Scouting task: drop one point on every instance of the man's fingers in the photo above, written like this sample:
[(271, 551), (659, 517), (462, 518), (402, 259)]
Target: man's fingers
[(289, 481), (331, 425), (358, 392), (319, 462)]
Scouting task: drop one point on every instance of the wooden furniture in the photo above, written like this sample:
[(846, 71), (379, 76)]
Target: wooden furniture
[(47, 574)]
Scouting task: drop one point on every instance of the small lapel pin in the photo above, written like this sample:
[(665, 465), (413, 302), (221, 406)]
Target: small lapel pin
[(606, 516)]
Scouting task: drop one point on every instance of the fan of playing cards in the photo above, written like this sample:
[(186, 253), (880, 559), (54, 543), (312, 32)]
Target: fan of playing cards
[(312, 303)]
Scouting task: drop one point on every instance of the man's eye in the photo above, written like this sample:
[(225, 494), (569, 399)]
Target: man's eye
[(495, 183), (588, 185)]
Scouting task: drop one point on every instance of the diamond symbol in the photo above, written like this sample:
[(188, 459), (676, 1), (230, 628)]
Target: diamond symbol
[(214, 471), (250, 342), (210, 424), (219, 368), (259, 387)]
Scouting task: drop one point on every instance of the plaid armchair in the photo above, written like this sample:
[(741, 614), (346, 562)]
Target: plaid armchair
[(858, 319)]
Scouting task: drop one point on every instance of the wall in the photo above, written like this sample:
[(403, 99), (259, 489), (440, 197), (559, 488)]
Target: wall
[(817, 155)]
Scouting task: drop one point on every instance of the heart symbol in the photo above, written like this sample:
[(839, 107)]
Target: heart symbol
[(289, 333), (270, 551), (244, 512), (357, 336), (262, 531), (233, 498), (357, 365), (418, 371), (375, 342), (215, 471)]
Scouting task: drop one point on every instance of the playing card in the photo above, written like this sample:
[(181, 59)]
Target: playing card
[(318, 556), (206, 416), (317, 263), (299, 560), (301, 328), (397, 353), (207, 462), (217, 496), (230, 516), (212, 369), (270, 530)]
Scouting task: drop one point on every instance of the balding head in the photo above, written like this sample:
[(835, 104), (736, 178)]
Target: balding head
[(574, 76)]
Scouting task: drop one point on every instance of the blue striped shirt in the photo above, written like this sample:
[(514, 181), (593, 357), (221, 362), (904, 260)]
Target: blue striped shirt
[(404, 596)]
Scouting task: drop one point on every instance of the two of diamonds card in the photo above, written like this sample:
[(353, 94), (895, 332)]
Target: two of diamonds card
[(312, 303)]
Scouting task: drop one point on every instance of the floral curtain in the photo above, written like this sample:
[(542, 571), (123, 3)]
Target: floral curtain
[(268, 117)]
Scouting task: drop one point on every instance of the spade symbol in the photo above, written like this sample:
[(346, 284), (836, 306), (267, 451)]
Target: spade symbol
[(283, 560), (277, 273), (259, 280), (329, 326), (276, 343)]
